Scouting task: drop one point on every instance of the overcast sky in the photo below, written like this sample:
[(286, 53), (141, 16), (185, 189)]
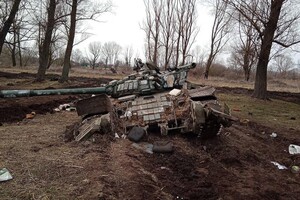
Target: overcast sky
[(123, 26)]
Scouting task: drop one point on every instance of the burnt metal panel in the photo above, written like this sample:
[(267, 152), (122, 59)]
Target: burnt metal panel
[(99, 104)]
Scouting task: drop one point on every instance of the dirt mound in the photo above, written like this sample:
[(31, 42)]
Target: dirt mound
[(13, 110)]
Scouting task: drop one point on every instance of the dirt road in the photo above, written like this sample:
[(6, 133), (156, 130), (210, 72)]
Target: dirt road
[(234, 165)]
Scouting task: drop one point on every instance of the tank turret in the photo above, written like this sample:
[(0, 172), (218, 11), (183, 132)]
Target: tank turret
[(147, 99), (146, 80)]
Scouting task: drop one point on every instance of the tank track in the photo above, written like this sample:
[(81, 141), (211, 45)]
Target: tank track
[(210, 129)]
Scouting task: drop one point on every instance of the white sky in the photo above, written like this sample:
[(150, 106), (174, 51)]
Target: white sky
[(123, 26)]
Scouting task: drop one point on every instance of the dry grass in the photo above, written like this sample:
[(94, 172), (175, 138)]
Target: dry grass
[(74, 72), (275, 113), (285, 85), (281, 85)]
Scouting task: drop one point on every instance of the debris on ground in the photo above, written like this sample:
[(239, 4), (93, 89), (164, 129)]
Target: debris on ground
[(146, 147), (295, 169), (294, 149), (136, 134), (163, 147), (116, 135), (279, 166), (175, 92), (30, 115), (67, 107), (88, 128), (273, 135), (5, 175)]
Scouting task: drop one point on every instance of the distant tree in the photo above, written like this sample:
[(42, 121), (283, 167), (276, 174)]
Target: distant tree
[(170, 28), (111, 51), (198, 55), (186, 28), (77, 56), (5, 28), (276, 22), (219, 32), (128, 53), (152, 28), (245, 47), (283, 64), (95, 53)]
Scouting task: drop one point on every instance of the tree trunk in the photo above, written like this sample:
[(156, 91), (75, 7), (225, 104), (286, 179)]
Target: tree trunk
[(208, 65), (260, 87), (13, 50), (19, 48), (45, 51), (67, 59), (8, 22)]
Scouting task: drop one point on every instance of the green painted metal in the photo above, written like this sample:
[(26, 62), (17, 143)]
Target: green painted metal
[(29, 93), (145, 81)]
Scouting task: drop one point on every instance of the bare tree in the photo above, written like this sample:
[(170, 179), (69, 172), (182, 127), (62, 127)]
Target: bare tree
[(111, 52), (187, 27), (152, 28), (71, 36), (283, 64), (275, 21), (45, 49), (246, 46), (168, 30), (5, 28), (198, 55), (95, 53), (219, 32), (128, 53)]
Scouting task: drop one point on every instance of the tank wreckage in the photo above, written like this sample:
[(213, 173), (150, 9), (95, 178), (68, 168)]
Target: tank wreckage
[(148, 99)]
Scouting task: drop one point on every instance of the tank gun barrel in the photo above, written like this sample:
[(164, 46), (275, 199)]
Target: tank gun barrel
[(187, 66), (30, 93)]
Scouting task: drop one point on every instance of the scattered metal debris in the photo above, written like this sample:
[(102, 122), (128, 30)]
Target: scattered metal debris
[(294, 149), (92, 125), (279, 166), (67, 107), (5, 175), (273, 135)]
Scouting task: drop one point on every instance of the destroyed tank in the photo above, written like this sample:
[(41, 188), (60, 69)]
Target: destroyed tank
[(149, 99)]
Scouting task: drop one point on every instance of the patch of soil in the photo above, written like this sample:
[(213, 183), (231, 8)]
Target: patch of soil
[(12, 110)]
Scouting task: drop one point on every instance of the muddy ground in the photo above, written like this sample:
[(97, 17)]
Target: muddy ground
[(234, 165)]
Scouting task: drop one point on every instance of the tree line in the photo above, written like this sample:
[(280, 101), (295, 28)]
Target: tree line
[(51, 25), (255, 31)]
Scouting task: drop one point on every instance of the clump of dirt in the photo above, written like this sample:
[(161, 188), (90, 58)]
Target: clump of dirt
[(181, 176)]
